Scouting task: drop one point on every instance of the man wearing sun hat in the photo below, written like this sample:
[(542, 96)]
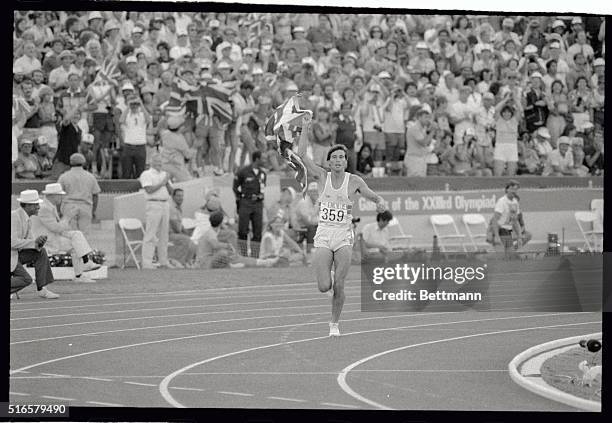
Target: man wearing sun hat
[(58, 78), (27, 250), (82, 191), (60, 236)]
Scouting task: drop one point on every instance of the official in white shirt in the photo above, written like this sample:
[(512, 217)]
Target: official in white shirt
[(156, 184)]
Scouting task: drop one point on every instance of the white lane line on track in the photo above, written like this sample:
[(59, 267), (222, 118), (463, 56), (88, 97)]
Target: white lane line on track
[(182, 338), (333, 404), (105, 404), (189, 389), (19, 394), (162, 308), (95, 378), (180, 315), (57, 398), (237, 394), (163, 386), (341, 379), (287, 399), (54, 375), (140, 384)]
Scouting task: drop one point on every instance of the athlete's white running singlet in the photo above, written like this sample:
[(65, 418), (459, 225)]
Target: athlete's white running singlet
[(335, 229)]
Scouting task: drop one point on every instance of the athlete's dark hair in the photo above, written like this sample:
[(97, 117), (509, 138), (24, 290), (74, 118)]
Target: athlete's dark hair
[(384, 216), (336, 148)]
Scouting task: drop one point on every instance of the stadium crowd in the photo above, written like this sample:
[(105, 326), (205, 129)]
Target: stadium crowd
[(423, 95)]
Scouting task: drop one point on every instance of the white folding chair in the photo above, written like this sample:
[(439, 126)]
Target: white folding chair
[(597, 207), (397, 238), (446, 230), (132, 245), (592, 238), (476, 228)]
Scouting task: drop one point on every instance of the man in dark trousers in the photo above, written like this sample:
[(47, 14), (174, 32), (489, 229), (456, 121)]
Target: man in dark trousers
[(249, 184), (346, 134)]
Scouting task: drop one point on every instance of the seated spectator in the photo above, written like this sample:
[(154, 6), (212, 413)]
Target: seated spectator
[(578, 157), (183, 249), (26, 166), (529, 161), (542, 144), (45, 161), (214, 252), (323, 133), (283, 208), (560, 160), (594, 152), (376, 239), (27, 250), (365, 161), (60, 236), (277, 244)]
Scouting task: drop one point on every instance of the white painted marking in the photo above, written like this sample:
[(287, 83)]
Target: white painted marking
[(287, 399), (166, 316), (163, 386), (140, 384), (57, 398), (95, 378), (19, 394), (54, 375), (106, 404), (189, 389), (238, 394), (333, 404), (318, 298), (341, 379)]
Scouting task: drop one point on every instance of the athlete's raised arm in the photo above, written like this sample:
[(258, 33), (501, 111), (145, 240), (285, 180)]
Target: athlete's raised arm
[(366, 192), (316, 171)]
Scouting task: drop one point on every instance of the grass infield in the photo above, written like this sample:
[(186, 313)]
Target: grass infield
[(562, 372)]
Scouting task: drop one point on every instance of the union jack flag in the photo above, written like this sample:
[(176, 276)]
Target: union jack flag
[(284, 127), (200, 101)]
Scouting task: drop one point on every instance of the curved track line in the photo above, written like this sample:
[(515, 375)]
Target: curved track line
[(181, 338), (341, 379), (165, 393)]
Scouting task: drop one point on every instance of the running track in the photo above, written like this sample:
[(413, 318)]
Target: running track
[(267, 347)]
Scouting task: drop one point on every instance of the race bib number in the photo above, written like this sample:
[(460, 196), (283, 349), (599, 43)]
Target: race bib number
[(332, 214)]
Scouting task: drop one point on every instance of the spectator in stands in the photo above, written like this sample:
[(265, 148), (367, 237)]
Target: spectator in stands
[(82, 189), (45, 162), (69, 138), (86, 149), (26, 166), (370, 119), (175, 151), (365, 162), (418, 139), (27, 250), (394, 128), (59, 234), (560, 160), (581, 101), (346, 135), (323, 135), (506, 130), (183, 249), (134, 123), (580, 169)]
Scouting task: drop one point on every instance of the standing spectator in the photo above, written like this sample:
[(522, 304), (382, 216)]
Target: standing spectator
[(323, 135), (86, 149), (346, 135), (506, 138), (307, 216), (244, 106), (394, 128), (536, 108), (28, 62), (48, 119), (58, 78), (418, 139), (463, 112), (60, 236), (156, 184), (134, 122), (183, 249), (249, 183), (370, 119), (69, 138), (581, 102), (175, 151), (27, 250), (82, 191)]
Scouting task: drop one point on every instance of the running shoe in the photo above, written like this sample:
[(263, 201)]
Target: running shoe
[(333, 329)]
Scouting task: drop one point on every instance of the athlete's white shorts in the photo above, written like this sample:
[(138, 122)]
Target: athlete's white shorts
[(333, 238)]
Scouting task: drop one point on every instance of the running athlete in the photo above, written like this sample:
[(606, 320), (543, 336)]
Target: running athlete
[(333, 241)]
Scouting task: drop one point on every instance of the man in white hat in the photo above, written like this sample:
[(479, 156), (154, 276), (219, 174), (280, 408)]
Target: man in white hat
[(599, 66), (560, 160), (157, 187), (86, 149), (422, 61), (82, 191), (27, 250), (60, 236), (58, 77)]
